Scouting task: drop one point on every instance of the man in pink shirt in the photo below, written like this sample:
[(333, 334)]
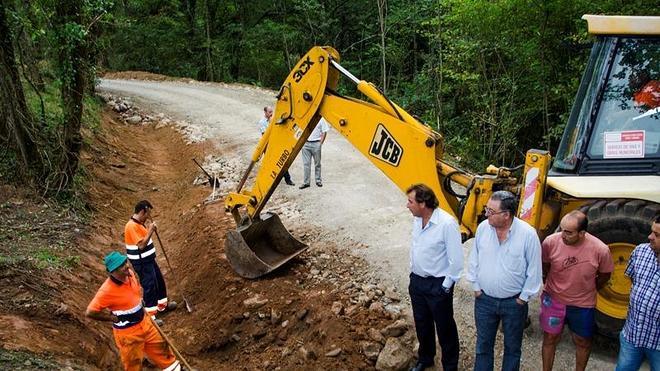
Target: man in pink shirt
[(575, 266)]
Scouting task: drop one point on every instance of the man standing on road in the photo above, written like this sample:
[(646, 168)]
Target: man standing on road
[(505, 272), (640, 336), (141, 252), (263, 125), (436, 263), (119, 300), (312, 149), (575, 265)]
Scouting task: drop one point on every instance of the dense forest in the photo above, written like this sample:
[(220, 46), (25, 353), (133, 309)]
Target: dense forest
[(495, 77)]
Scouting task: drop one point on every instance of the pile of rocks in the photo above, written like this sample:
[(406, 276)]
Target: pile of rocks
[(133, 115)]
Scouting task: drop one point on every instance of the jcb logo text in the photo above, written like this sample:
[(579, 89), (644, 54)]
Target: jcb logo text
[(385, 148), (304, 68)]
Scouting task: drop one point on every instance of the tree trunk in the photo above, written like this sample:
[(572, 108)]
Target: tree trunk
[(29, 55), (209, 55), (15, 118), (72, 69), (382, 14)]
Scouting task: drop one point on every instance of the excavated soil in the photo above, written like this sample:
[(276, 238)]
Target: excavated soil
[(301, 313)]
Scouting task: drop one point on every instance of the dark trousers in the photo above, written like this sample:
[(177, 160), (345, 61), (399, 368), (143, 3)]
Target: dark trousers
[(153, 284), (433, 310), (488, 312), (287, 177)]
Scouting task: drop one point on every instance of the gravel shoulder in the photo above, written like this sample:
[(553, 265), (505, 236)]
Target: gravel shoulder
[(356, 203)]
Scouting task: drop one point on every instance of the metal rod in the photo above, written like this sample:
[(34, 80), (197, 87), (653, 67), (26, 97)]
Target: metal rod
[(344, 72), (245, 176)]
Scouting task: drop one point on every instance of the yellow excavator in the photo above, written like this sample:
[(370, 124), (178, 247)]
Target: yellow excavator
[(607, 164)]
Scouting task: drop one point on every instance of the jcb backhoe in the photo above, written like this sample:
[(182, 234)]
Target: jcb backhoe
[(607, 165)]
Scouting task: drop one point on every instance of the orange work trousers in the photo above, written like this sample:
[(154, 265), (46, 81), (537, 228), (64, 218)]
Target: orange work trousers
[(136, 341)]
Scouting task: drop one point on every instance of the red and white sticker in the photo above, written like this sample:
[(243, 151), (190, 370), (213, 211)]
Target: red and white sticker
[(624, 144)]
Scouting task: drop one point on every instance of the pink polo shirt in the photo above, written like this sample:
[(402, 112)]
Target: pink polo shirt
[(571, 279)]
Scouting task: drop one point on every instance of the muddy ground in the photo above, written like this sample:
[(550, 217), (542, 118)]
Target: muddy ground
[(313, 314)]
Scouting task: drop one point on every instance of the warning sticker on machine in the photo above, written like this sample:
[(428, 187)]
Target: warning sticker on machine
[(624, 144)]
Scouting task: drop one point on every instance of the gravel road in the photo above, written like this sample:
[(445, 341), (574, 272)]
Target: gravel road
[(357, 202)]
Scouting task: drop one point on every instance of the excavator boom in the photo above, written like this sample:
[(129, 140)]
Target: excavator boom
[(405, 150)]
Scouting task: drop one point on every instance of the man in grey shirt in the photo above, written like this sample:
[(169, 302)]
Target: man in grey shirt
[(504, 269)]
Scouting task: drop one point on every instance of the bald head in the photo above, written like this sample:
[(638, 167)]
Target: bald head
[(573, 227)]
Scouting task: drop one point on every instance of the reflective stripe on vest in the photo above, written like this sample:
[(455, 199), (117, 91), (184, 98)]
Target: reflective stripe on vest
[(133, 253), (129, 317)]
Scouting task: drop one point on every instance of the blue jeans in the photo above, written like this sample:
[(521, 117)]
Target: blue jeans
[(488, 312), (631, 357)]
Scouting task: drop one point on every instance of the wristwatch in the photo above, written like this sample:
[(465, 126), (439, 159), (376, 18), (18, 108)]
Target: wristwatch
[(447, 290)]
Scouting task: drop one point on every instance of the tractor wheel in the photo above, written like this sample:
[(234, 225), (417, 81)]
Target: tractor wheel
[(622, 224)]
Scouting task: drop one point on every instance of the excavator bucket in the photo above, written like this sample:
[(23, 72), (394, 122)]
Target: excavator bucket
[(261, 246)]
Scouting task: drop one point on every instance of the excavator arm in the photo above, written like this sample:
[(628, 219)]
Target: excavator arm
[(405, 150)]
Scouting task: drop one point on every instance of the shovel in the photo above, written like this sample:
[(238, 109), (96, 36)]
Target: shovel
[(162, 247), (213, 181)]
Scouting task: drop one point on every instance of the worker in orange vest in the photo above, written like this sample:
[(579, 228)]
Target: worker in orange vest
[(119, 300), (141, 252)]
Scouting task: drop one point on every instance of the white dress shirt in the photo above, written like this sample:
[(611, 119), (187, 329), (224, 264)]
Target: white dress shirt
[(436, 249), (321, 127), (509, 268)]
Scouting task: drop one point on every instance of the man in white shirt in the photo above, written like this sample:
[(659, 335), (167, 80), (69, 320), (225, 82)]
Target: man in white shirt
[(263, 125), (504, 269), (436, 263), (312, 149)]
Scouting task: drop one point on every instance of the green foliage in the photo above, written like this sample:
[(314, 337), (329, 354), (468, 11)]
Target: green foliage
[(22, 360), (46, 258), (494, 77)]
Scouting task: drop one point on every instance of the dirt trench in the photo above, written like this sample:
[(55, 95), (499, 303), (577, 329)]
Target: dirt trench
[(292, 325)]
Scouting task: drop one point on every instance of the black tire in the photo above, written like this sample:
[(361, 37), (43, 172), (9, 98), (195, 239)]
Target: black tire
[(619, 221)]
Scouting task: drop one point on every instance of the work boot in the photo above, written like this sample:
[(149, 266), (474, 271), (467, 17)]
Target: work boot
[(304, 186), (289, 182), (171, 305)]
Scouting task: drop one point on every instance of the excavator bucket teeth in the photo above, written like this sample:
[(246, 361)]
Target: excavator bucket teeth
[(260, 247)]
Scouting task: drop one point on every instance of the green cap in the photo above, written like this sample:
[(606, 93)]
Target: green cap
[(114, 260)]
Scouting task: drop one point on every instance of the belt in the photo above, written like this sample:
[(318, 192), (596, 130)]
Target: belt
[(427, 277), (313, 141), (508, 298)]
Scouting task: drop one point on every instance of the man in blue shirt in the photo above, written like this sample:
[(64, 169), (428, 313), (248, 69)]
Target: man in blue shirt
[(505, 272), (436, 263), (640, 336)]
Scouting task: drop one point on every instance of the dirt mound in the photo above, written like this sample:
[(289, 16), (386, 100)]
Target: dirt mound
[(140, 75), (316, 313)]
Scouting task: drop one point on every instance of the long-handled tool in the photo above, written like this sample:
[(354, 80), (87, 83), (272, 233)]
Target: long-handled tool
[(171, 345), (176, 280), (213, 181)]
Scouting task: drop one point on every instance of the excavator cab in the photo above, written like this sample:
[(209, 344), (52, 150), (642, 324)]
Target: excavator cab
[(614, 128)]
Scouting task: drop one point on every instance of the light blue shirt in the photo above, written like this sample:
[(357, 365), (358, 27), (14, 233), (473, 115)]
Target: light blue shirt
[(437, 249), (509, 268), (263, 125)]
